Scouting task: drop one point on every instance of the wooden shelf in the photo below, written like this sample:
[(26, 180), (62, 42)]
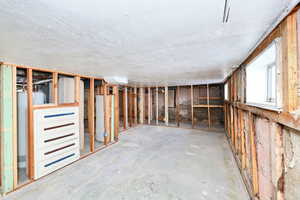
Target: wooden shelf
[(208, 106)]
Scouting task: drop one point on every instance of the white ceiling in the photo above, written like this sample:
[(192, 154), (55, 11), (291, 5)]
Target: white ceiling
[(147, 41)]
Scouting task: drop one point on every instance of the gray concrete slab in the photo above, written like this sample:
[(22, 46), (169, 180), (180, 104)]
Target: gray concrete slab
[(149, 162)]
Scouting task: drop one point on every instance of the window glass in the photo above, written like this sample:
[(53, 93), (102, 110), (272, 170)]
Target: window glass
[(262, 77)]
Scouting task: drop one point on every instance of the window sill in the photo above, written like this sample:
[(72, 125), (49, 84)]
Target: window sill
[(265, 107)]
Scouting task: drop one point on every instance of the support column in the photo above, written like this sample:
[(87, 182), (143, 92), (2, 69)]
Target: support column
[(156, 110), (6, 131), (166, 106), (141, 105)]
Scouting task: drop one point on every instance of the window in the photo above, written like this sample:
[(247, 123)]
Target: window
[(261, 78), (271, 83), (226, 91)]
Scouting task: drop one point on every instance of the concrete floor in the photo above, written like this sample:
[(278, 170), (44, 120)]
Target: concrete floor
[(149, 162)]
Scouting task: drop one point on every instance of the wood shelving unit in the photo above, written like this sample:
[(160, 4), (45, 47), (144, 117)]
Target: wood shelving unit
[(208, 97)]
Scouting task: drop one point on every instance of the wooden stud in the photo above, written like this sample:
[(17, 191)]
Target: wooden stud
[(125, 107), (254, 169), (77, 89), (116, 112), (177, 106), (192, 105), (243, 139), (208, 108), (290, 63), (30, 125), (156, 105), (149, 105), (54, 88), (141, 105), (106, 114), (91, 114), (15, 126), (135, 105), (166, 106)]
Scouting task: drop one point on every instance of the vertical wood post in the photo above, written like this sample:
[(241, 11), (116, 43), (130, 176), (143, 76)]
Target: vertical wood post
[(30, 125), (192, 105), (15, 126), (290, 63), (254, 170), (77, 89), (91, 114), (106, 114), (177, 106), (141, 105), (156, 105), (54, 88), (149, 105), (116, 112), (208, 109), (125, 107), (166, 105), (135, 105)]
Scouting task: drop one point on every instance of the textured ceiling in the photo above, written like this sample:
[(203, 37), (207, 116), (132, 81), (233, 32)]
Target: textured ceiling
[(146, 41)]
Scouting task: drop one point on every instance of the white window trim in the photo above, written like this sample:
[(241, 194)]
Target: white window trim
[(277, 106)]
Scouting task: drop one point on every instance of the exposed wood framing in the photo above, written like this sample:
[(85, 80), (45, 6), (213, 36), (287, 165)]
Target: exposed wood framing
[(124, 107), (135, 105), (54, 88), (30, 144), (166, 106), (125, 113), (262, 128), (141, 105), (156, 105), (106, 114), (192, 107), (50, 71), (77, 89), (177, 106), (116, 112), (290, 63), (149, 105), (15, 126), (208, 104), (91, 114)]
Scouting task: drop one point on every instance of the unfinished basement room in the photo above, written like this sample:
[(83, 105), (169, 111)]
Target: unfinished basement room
[(150, 100)]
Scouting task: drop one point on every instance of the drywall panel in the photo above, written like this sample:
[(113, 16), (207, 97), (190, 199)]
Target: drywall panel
[(263, 142), (292, 164), (6, 131), (100, 118)]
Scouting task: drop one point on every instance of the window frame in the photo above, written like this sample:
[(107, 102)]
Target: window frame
[(277, 63)]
